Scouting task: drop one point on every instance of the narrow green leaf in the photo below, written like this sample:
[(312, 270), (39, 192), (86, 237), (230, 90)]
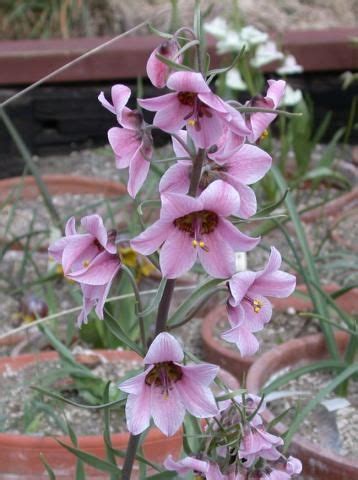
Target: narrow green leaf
[(192, 300), (155, 31), (118, 332), (192, 434), (49, 470), (229, 395), (295, 425), (312, 367), (56, 396), (95, 462), (147, 203), (156, 300)]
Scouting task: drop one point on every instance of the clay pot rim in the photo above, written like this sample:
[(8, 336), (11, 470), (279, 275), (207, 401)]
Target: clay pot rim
[(253, 385), (23, 441)]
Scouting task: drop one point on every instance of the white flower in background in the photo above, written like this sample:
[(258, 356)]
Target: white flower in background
[(231, 43), (217, 28), (265, 54), (291, 97), (253, 36), (234, 80), (289, 66)]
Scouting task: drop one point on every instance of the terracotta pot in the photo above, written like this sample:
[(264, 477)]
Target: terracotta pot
[(230, 359), (19, 454), (318, 463), (56, 185)]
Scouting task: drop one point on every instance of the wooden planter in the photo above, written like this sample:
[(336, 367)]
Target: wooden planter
[(318, 463), (230, 359)]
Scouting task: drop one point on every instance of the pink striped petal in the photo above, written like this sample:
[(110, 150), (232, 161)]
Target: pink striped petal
[(236, 239), (249, 164), (177, 178), (134, 384), (151, 239), (138, 411), (138, 171), (177, 147), (177, 255), (218, 258), (239, 285), (207, 132), (164, 348), (93, 224), (167, 410), (158, 103), (245, 341), (188, 82), (221, 198)]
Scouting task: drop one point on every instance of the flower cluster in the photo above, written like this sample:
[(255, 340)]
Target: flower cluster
[(203, 195)]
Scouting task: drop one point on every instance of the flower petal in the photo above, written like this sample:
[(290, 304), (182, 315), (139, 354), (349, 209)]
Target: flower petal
[(176, 205), (245, 341), (197, 399), (158, 103), (249, 164), (177, 255), (171, 119), (188, 82), (177, 147), (93, 224), (221, 198), (206, 130), (239, 285), (134, 384), (164, 348), (167, 410), (150, 240), (218, 258), (70, 228), (99, 271), (236, 239), (256, 321), (138, 411), (138, 171), (176, 178), (124, 143)]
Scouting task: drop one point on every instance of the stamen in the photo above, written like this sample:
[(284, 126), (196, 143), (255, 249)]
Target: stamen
[(203, 246), (191, 122), (195, 243), (264, 134), (256, 304), (85, 263)]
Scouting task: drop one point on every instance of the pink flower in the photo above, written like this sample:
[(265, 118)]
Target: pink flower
[(281, 469), (132, 144), (158, 71), (238, 165), (193, 104), (200, 468), (258, 122), (166, 389), (90, 259), (191, 227), (248, 308), (258, 443)]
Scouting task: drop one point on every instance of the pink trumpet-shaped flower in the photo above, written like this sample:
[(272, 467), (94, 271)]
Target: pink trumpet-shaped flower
[(158, 71), (249, 309), (89, 259), (195, 106), (280, 470), (132, 144), (166, 389), (238, 165), (190, 227), (200, 468), (259, 121)]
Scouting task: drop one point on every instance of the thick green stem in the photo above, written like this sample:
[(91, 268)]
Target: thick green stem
[(130, 456)]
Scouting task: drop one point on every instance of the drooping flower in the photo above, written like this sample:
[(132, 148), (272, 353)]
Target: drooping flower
[(158, 72), (196, 227), (234, 80), (281, 469), (89, 259), (166, 389), (237, 164), (259, 121), (258, 443), (200, 468), (132, 144), (248, 308), (195, 106)]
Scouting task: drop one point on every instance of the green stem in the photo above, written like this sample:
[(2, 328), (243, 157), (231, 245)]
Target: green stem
[(138, 305), (133, 444), (24, 152)]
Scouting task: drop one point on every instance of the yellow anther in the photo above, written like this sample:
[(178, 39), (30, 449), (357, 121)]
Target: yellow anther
[(191, 122), (257, 305), (201, 244), (85, 263), (59, 269), (195, 243), (264, 134)]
